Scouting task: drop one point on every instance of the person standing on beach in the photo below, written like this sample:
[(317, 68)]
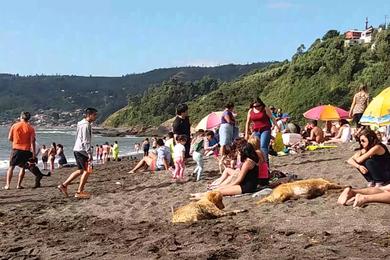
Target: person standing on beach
[(82, 153), (22, 137), (44, 156), (115, 151), (182, 126), (359, 104)]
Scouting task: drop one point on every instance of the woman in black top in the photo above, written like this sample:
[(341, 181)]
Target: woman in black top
[(246, 181), (373, 160)]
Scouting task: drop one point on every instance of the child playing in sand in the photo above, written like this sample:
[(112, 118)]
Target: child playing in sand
[(179, 155), (197, 153)]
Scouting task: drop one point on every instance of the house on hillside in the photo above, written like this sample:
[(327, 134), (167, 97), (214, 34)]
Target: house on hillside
[(353, 37)]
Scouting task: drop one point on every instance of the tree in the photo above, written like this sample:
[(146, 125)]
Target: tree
[(330, 34), (301, 49)]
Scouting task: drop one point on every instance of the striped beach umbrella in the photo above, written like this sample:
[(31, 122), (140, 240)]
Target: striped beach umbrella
[(378, 111)]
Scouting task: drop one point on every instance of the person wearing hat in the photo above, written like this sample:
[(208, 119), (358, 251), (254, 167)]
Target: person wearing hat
[(282, 123)]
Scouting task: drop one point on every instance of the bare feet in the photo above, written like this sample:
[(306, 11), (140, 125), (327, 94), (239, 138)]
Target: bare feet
[(131, 171), (345, 196), (6, 188), (360, 201), (19, 187)]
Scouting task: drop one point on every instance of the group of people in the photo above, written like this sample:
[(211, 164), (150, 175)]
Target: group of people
[(106, 152), (243, 160), (49, 154), (23, 139)]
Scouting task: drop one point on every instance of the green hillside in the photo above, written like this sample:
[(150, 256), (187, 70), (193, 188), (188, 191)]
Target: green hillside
[(326, 73), (107, 94)]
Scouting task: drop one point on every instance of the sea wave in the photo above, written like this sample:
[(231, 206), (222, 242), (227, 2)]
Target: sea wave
[(4, 164), (69, 132)]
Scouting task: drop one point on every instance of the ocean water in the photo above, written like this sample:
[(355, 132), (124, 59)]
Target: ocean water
[(66, 137)]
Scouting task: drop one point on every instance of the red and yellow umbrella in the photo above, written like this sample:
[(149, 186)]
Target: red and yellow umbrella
[(326, 113)]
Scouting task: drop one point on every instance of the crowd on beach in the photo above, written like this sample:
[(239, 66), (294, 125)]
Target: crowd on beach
[(243, 158)]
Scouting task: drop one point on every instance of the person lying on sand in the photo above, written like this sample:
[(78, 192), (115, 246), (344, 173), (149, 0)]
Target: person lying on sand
[(246, 181), (156, 162), (361, 197), (372, 160)]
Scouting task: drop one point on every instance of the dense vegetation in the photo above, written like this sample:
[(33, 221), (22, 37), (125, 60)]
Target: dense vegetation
[(326, 73), (107, 94)]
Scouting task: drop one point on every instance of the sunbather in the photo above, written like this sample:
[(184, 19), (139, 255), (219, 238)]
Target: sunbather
[(316, 133), (156, 162), (344, 133)]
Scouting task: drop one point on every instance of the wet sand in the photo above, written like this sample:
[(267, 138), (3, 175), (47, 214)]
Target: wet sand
[(132, 220)]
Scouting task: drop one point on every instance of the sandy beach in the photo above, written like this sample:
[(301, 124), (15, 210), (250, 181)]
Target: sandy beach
[(131, 220)]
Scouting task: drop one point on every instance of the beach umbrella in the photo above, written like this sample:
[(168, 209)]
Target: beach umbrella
[(326, 113), (210, 121), (378, 111)]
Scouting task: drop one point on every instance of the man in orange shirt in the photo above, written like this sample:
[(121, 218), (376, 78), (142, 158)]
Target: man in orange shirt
[(22, 136)]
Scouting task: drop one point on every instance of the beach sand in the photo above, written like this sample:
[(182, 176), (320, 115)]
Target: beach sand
[(132, 220)]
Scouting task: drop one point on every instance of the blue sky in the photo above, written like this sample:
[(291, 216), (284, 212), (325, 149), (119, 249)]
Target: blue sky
[(117, 37)]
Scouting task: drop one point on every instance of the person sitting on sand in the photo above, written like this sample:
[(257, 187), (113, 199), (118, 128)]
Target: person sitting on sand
[(232, 166), (330, 129), (373, 160), (246, 181), (360, 197), (344, 133), (210, 144), (316, 133), (156, 162)]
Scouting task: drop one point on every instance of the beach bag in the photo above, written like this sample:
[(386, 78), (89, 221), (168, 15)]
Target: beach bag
[(291, 138), (278, 142)]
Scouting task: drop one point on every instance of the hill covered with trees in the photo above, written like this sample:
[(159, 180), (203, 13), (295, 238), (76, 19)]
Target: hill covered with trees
[(107, 94), (328, 72)]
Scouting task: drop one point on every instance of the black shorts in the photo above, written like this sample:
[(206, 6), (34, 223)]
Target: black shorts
[(81, 160), (248, 187), (20, 158), (45, 158), (356, 118)]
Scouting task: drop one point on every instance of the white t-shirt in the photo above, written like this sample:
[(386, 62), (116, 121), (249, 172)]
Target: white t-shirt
[(178, 151), (346, 134)]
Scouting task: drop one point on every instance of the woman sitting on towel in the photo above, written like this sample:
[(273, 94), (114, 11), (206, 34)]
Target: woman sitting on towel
[(373, 160), (344, 133), (246, 181)]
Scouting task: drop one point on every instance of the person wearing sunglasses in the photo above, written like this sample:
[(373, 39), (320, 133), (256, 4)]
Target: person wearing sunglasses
[(261, 116), (373, 159)]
